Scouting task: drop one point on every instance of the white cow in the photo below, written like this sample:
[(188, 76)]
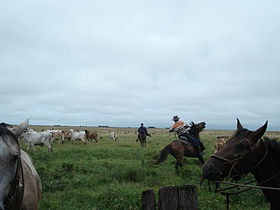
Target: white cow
[(78, 135), (32, 138), (113, 136)]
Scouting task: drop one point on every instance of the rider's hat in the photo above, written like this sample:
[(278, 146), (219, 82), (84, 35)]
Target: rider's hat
[(142, 124), (175, 118)]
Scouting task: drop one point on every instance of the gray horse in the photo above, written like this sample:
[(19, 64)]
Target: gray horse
[(20, 184)]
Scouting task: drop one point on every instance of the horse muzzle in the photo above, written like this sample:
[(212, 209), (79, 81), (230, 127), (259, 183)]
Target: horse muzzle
[(212, 172)]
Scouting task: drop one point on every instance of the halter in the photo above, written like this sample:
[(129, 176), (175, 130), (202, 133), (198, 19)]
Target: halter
[(233, 162), (15, 196)]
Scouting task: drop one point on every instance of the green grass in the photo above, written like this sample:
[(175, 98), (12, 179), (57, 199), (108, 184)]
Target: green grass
[(112, 175)]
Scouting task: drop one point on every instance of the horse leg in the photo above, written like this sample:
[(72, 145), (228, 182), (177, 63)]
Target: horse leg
[(201, 161), (49, 147), (179, 162), (34, 149), (28, 148)]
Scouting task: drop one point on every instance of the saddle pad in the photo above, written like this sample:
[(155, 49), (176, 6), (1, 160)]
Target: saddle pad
[(184, 140)]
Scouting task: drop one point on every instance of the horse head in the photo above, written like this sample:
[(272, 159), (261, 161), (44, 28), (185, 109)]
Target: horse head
[(237, 157), (195, 129), (9, 158)]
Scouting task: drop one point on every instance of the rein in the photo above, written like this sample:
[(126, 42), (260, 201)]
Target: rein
[(249, 187), (233, 163), (14, 199)]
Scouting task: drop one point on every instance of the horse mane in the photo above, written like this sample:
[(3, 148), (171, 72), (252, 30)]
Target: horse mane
[(273, 146), (192, 124), (4, 131), (241, 133)]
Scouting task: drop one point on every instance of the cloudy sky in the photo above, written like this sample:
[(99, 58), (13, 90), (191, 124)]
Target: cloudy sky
[(120, 63)]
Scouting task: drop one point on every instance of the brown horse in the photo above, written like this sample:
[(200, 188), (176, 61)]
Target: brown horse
[(142, 139), (246, 152), (178, 149), (91, 135), (20, 184)]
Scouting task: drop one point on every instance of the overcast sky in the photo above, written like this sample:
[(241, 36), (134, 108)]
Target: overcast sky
[(120, 63)]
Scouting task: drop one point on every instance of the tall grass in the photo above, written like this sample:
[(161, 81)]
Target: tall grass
[(112, 175)]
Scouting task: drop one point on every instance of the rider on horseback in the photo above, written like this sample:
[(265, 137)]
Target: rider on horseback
[(181, 129), (142, 129)]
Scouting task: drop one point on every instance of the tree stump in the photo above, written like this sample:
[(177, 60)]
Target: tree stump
[(148, 200), (178, 198)]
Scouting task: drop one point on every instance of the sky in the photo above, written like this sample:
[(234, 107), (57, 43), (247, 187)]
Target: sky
[(120, 63)]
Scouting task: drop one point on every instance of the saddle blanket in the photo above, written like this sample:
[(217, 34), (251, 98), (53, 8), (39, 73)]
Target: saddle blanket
[(184, 140)]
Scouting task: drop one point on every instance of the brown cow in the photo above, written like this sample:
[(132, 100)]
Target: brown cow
[(220, 143), (67, 134), (58, 136), (91, 135)]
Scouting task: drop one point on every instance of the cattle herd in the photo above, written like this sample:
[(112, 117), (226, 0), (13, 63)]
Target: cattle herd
[(48, 137)]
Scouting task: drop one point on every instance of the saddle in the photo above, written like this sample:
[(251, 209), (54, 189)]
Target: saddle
[(185, 140)]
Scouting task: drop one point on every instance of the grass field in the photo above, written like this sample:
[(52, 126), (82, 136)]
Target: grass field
[(112, 175)]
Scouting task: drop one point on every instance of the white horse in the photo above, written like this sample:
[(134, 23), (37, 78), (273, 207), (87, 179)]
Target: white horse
[(113, 136), (20, 185), (32, 138), (78, 135)]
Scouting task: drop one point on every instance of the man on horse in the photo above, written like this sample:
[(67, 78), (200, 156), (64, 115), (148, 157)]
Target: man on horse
[(142, 129), (181, 129)]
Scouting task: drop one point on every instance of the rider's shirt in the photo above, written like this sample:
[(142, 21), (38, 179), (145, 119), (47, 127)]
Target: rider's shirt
[(142, 129), (178, 127)]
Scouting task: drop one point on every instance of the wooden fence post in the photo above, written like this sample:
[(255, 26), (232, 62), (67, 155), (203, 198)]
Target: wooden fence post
[(178, 198), (148, 200)]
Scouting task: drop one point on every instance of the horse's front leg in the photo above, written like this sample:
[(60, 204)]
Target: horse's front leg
[(178, 163), (201, 161), (34, 149), (28, 148), (49, 147)]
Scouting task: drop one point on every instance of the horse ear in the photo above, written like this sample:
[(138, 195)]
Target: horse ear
[(259, 133), (17, 131), (239, 126)]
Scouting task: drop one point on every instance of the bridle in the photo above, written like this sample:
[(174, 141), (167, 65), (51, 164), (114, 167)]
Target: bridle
[(15, 196), (238, 157), (233, 162)]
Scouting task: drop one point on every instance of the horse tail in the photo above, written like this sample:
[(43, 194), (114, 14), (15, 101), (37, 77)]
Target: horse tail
[(164, 154)]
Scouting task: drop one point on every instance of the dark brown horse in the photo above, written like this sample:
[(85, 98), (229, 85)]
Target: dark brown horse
[(246, 152), (142, 139), (178, 149)]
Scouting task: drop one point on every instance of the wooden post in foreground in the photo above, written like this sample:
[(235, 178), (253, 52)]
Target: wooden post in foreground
[(178, 198), (148, 200)]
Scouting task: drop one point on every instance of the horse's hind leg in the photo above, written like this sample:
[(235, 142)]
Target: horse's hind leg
[(179, 162)]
